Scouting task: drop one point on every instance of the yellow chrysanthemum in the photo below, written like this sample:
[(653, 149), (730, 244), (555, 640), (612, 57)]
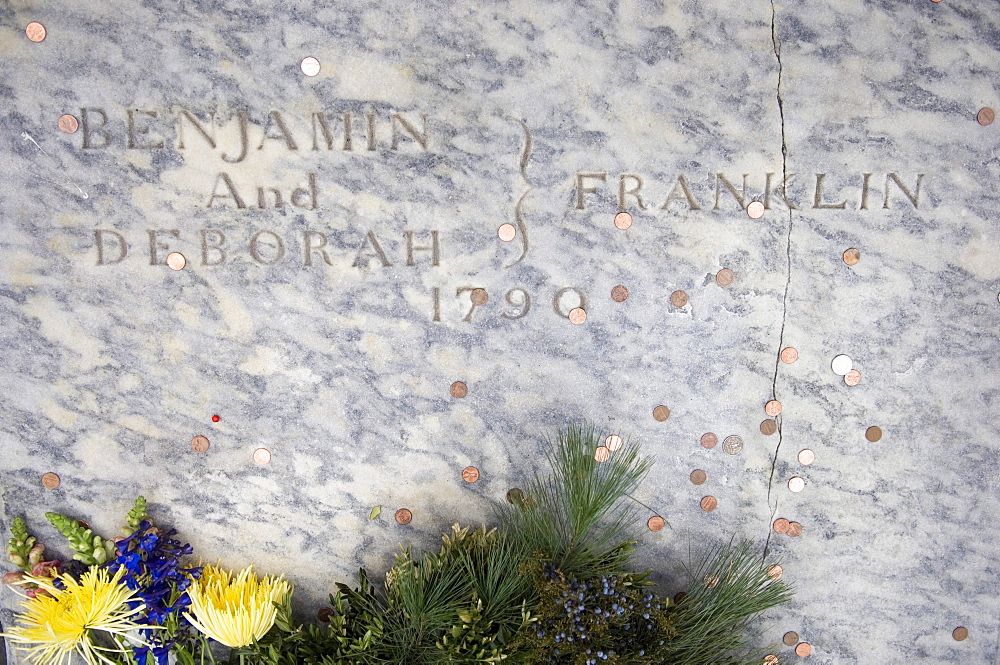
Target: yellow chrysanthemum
[(58, 624), (235, 611)]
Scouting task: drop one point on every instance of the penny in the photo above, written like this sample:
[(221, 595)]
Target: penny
[(309, 66), (515, 495), (806, 456), (324, 614), (709, 440), (613, 442), (619, 293), (789, 355), (873, 433), (679, 596), (470, 474), (661, 413), (602, 454), (770, 659), (655, 523), (83, 524), (768, 427), (698, 477), (709, 503), (852, 256), (724, 277), (506, 232), (479, 297), (775, 571), (960, 633), (791, 638), (262, 456), (711, 581), (678, 298), (986, 116), (803, 649), (176, 261), (780, 525), (794, 529), (796, 484), (852, 378), (50, 480), (577, 315), (733, 445), (623, 220), (200, 444), (459, 390), (35, 31), (841, 364), (755, 210), (772, 408), (403, 516), (68, 124)]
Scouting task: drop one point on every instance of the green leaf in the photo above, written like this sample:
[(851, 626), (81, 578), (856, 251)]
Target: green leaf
[(376, 511)]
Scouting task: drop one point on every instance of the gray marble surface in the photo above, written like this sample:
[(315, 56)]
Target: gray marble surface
[(312, 333)]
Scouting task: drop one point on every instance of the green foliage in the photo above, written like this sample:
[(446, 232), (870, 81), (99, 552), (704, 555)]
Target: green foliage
[(90, 549), (135, 516), (20, 545)]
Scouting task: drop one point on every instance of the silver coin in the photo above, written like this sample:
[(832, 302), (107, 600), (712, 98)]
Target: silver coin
[(733, 445)]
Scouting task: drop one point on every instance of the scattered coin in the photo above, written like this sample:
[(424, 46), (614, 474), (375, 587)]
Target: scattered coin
[(470, 474), (479, 297), (679, 596), (806, 456), (403, 516), (68, 124), (709, 503), (733, 445), (780, 525), (50, 480), (661, 413), (515, 495), (775, 571), (770, 659), (655, 523), (960, 633), (83, 524), (789, 355), (619, 293), (309, 66), (200, 444), (613, 442), (577, 315), (678, 298), (755, 210), (324, 614), (852, 256), (711, 581), (842, 364), (262, 456), (852, 378), (623, 220), (724, 277), (768, 427), (772, 408), (873, 433), (803, 649), (35, 31), (791, 638), (176, 261), (459, 390), (602, 454), (986, 116), (794, 529), (709, 440), (796, 484), (698, 477), (506, 232)]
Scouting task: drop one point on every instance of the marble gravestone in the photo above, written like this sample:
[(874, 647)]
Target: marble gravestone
[(296, 245)]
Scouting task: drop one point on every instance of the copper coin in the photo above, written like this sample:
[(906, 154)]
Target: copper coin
[(602, 454), (324, 614), (711, 581), (794, 529), (83, 524), (403, 516), (515, 495), (852, 378), (309, 66), (780, 525), (796, 484), (619, 293), (661, 413), (506, 232), (200, 444), (841, 364), (613, 442), (679, 596), (262, 456), (791, 638), (709, 503), (768, 427), (733, 445), (678, 298), (709, 440), (806, 456), (50, 480), (479, 297), (623, 220), (755, 210), (852, 256), (960, 633), (772, 408), (35, 31), (176, 261), (655, 523), (775, 571), (724, 277), (470, 474), (789, 355), (459, 390), (770, 659), (68, 124), (986, 116), (577, 315), (803, 649), (873, 433), (698, 477)]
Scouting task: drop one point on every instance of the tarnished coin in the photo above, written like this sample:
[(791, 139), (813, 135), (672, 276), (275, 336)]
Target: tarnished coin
[(852, 256), (789, 355), (68, 124), (655, 523), (324, 614), (506, 232), (780, 525), (806, 456), (602, 454), (841, 364), (796, 484), (678, 298), (200, 444), (709, 440), (479, 297), (698, 477), (770, 659), (470, 474), (613, 442), (661, 413), (262, 456), (803, 649), (619, 293), (35, 31), (794, 529), (733, 445), (459, 390), (309, 66), (775, 571), (176, 261), (755, 210), (679, 596), (768, 427), (791, 638), (873, 433), (577, 315), (709, 503), (986, 116), (403, 516), (852, 378), (623, 220), (515, 496), (50, 480), (724, 277), (960, 633), (772, 408)]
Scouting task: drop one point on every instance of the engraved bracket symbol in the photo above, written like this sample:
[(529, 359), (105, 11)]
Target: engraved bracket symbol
[(522, 229)]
